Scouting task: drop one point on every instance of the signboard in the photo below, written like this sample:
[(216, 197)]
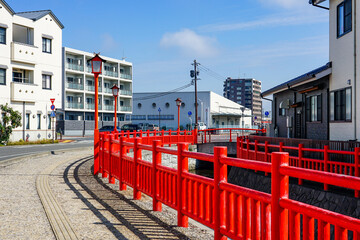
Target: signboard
[(266, 113), (159, 109), (52, 107), (52, 114), (52, 100), (189, 113)]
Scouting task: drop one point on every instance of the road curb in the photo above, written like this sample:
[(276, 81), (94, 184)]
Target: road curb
[(14, 160)]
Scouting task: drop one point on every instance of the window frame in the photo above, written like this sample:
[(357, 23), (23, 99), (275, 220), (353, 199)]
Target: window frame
[(3, 69), (346, 29), (4, 35), (46, 87), (38, 121), (27, 121), (45, 42), (337, 110), (313, 108)]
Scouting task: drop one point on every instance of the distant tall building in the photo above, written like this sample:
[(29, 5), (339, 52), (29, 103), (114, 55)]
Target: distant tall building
[(246, 92)]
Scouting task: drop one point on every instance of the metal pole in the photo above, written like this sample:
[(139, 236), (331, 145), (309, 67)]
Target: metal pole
[(196, 101), (24, 121), (96, 131), (178, 118), (115, 130)]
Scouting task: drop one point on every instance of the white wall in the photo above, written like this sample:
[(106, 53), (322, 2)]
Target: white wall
[(342, 57), (43, 62)]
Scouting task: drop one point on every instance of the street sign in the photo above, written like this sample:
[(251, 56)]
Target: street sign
[(52, 107), (266, 113), (189, 113), (159, 109), (52, 114), (52, 100)]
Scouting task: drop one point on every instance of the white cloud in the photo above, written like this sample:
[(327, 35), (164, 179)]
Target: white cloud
[(108, 43), (285, 3), (269, 21), (190, 43)]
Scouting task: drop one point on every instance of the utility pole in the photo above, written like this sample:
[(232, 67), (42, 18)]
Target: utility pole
[(194, 74)]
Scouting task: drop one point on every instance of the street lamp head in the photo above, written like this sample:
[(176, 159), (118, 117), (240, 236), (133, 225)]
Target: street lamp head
[(96, 64), (115, 90), (178, 102)]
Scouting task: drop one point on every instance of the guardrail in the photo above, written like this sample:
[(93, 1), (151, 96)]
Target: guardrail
[(226, 134), (232, 211), (251, 151)]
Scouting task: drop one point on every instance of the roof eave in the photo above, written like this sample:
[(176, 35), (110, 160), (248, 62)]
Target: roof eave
[(8, 7)]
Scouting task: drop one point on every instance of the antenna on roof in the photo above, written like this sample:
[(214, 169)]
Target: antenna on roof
[(123, 57)]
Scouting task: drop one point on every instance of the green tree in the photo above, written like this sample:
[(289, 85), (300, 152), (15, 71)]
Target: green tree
[(10, 119)]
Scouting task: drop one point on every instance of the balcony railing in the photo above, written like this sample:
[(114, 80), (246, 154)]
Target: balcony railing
[(76, 86), (88, 69), (90, 88), (109, 107), (75, 67), (125, 92), (107, 90), (125, 76), (74, 105), (90, 106), (111, 73), (22, 80), (125, 109)]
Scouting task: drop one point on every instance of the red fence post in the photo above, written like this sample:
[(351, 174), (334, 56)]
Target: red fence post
[(136, 192), (101, 154), (356, 171), (106, 147), (281, 144), (247, 148), (220, 175), (204, 135), (266, 151), (122, 153), (111, 178), (300, 159), (163, 136), (156, 156), (256, 150), (279, 190), (183, 166), (230, 136), (238, 146), (326, 167)]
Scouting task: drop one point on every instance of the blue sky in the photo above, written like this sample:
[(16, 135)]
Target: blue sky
[(270, 40)]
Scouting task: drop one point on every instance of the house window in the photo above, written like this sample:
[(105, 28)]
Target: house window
[(46, 45), (313, 108), (281, 111), (340, 105), (49, 121), (344, 18), (2, 76), (38, 121), (46, 81), (27, 121), (2, 35)]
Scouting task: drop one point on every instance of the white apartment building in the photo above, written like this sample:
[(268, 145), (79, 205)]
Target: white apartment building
[(213, 110), (30, 68), (78, 101)]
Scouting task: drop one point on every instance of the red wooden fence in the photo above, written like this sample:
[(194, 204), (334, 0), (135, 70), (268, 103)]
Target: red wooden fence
[(232, 211), (250, 150)]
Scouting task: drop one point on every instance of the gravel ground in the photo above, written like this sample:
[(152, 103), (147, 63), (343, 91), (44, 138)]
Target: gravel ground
[(95, 209)]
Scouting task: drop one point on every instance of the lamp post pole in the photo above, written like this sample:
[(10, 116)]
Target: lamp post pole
[(178, 103), (159, 117), (115, 92), (96, 67)]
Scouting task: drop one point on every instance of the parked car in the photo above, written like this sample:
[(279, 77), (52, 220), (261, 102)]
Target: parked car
[(201, 126), (131, 127), (109, 129), (153, 127)]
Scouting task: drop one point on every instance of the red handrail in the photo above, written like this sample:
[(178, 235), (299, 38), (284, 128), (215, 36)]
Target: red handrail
[(232, 211)]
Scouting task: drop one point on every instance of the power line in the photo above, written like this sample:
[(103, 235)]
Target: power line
[(164, 93), (212, 73)]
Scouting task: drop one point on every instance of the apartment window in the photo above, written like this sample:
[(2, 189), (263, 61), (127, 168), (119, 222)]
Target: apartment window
[(46, 81), (340, 105), (38, 121), (344, 18), (313, 108), (2, 35), (2, 76), (281, 111), (27, 121), (46, 45)]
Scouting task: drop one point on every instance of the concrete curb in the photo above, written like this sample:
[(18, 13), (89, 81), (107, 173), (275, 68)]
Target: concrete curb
[(14, 160)]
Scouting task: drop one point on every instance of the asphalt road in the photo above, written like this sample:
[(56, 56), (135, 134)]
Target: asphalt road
[(9, 152)]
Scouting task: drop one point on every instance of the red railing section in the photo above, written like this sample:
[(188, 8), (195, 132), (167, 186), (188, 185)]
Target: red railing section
[(230, 210), (226, 134), (250, 150)]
